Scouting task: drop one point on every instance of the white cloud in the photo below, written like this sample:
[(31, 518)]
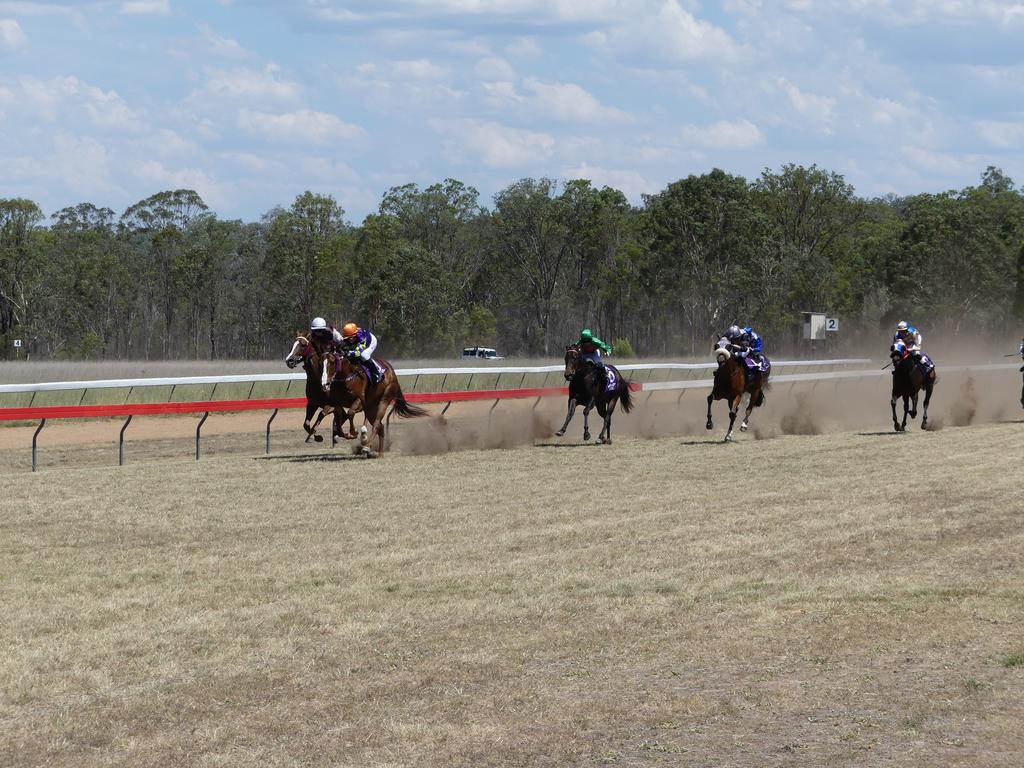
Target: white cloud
[(243, 84), (500, 94), (671, 34), (495, 145), (939, 162), (494, 68), (65, 98), (326, 169), (741, 134), (524, 48), (155, 174), (819, 110), (630, 183), (1001, 134), (12, 38), (418, 69), (302, 126), (146, 7), (571, 103), (225, 47)]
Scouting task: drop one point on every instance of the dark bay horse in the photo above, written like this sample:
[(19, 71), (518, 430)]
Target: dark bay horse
[(589, 389), (731, 382), (908, 379), (351, 378), (312, 356)]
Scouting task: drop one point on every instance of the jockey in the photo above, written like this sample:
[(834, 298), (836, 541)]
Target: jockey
[(909, 337), (752, 339), (1021, 350), (322, 333), (359, 344), (591, 348), (734, 340)]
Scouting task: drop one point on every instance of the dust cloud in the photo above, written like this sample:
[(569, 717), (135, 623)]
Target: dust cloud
[(791, 408)]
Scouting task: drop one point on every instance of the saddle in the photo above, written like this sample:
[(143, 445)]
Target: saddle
[(756, 367), (611, 380), (374, 371)]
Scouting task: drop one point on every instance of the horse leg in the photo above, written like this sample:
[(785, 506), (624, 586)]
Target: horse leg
[(605, 435), (379, 426), (311, 428), (744, 425), (568, 416), (913, 406), (709, 425), (586, 420), (927, 399), (734, 407), (906, 410), (892, 403)]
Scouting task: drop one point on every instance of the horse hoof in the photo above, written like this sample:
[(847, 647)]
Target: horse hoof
[(709, 425), (586, 437), (317, 438), (743, 427), (728, 439), (560, 432)]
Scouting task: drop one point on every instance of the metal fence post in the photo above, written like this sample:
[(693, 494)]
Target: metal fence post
[(34, 436), (198, 428), (120, 441), (268, 428)]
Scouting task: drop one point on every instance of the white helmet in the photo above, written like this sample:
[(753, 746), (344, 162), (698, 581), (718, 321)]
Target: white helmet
[(318, 324), (901, 325)]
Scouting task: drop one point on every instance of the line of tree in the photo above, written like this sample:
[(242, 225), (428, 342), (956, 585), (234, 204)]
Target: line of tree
[(433, 269)]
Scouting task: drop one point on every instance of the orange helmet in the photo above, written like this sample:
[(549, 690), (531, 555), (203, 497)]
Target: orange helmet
[(349, 330)]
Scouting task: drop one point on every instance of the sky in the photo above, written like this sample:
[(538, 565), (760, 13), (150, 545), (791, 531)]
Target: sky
[(252, 102)]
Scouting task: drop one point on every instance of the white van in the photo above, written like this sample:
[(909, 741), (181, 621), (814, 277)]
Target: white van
[(480, 353)]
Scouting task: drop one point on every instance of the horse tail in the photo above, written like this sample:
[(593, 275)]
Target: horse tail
[(405, 409), (626, 397)]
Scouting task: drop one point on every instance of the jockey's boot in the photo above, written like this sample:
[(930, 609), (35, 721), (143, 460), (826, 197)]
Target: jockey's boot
[(371, 371)]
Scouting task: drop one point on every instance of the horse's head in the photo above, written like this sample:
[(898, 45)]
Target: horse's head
[(572, 361), (899, 352), (299, 350)]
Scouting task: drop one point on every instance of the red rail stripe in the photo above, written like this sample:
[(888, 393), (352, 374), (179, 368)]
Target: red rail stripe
[(215, 406)]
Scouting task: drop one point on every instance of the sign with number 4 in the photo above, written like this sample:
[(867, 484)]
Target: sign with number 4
[(17, 342)]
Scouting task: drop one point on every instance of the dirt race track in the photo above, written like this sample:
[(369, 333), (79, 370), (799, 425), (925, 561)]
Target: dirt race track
[(800, 409), (821, 592)]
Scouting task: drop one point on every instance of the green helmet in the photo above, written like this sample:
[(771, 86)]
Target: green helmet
[(586, 335)]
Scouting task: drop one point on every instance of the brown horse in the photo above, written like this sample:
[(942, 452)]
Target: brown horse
[(908, 379), (312, 355), (588, 388), (731, 382), (376, 399)]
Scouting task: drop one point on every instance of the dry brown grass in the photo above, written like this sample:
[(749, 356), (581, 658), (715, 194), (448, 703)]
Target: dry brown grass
[(841, 599)]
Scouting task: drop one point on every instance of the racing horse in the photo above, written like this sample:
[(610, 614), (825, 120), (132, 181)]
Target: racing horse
[(588, 389), (311, 356), (730, 384), (378, 401), (909, 377)]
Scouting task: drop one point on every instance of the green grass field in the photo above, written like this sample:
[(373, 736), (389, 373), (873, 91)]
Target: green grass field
[(850, 599)]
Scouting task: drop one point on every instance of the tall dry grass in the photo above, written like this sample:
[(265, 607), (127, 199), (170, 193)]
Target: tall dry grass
[(844, 599)]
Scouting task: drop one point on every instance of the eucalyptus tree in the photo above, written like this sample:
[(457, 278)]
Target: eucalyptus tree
[(156, 228), (21, 267)]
